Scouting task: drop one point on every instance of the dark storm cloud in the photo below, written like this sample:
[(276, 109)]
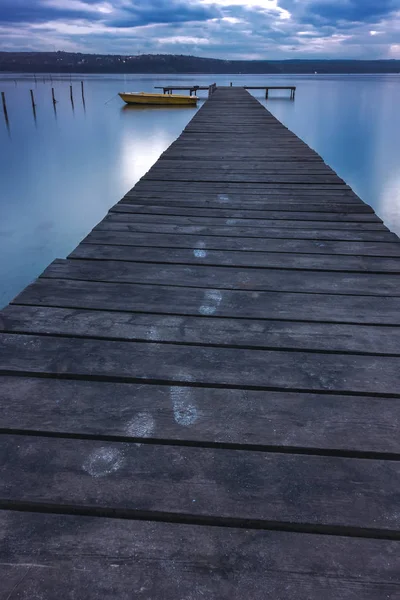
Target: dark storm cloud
[(214, 28), (163, 11), (34, 11), (123, 15), (333, 12)]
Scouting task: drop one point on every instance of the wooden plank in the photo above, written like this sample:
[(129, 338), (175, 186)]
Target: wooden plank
[(235, 367), (252, 232), (250, 177), (283, 421), (67, 293), (354, 250), (234, 176), (257, 192), (228, 213), (115, 217), (165, 162), (318, 262), (45, 555), (223, 187), (227, 278), (201, 482), (250, 333), (222, 202), (197, 152)]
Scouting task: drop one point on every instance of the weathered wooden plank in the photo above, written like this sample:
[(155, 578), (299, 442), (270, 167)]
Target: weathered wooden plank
[(223, 202), (278, 139), (247, 176), (202, 256), (249, 333), (228, 278), (51, 556), (115, 217), (287, 152), (220, 176), (165, 162), (200, 482), (176, 240), (222, 187), (227, 213), (285, 421), (171, 300), (252, 232), (206, 365), (257, 192)]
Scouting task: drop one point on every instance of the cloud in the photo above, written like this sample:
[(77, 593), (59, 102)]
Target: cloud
[(334, 12), (264, 29), (115, 13), (161, 11), (35, 11)]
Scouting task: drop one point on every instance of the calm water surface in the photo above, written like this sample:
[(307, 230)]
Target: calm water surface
[(61, 171)]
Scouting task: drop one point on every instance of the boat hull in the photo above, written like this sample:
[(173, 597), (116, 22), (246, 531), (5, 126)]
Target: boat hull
[(159, 99)]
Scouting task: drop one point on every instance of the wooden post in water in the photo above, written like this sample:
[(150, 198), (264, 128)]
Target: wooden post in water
[(83, 93), (71, 95), (3, 99), (33, 105), (53, 96)]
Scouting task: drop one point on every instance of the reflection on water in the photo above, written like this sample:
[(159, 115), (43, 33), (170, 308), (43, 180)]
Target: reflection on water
[(354, 123), (169, 107), (64, 165)]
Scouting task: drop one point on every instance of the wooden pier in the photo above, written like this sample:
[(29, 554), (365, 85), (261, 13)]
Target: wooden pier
[(203, 400), (267, 88), (192, 89)]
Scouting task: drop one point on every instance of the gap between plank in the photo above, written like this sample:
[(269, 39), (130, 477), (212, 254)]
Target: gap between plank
[(182, 518), (199, 344), (176, 285), (241, 250), (266, 448), (199, 315), (217, 265), (194, 384)]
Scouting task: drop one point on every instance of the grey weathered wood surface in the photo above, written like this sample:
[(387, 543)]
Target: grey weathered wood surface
[(51, 556), (283, 260), (222, 349), (219, 483), (352, 249), (226, 278), (176, 300), (334, 233)]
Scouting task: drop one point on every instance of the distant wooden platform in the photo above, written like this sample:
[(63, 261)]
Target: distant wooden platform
[(203, 400), (267, 88), (192, 89)]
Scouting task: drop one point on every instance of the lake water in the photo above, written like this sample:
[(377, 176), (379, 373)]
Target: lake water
[(62, 170)]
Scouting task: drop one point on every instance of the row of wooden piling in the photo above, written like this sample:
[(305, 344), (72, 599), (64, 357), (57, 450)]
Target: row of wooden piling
[(4, 103)]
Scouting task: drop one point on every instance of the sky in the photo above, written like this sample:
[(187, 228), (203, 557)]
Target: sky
[(227, 29)]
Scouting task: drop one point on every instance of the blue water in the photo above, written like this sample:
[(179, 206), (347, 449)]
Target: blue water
[(61, 171)]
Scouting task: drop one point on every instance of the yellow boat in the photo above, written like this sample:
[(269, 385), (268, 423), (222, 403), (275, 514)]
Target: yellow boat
[(147, 98)]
